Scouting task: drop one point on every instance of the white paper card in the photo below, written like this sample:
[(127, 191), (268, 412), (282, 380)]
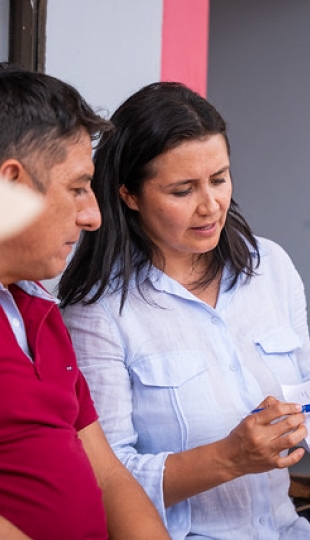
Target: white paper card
[(299, 393)]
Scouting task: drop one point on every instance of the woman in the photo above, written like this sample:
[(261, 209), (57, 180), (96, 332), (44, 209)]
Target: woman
[(183, 322)]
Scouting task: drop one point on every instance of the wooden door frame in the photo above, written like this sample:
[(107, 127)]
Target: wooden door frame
[(27, 33)]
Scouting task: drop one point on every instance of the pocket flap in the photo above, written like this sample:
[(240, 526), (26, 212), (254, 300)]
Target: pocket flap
[(281, 340), (170, 369)]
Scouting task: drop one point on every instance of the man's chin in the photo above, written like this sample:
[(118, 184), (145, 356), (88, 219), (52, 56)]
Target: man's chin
[(54, 273)]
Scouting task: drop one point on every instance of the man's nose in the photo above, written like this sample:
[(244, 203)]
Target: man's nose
[(88, 215)]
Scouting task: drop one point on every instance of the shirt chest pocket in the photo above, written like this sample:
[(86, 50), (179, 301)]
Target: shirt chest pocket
[(278, 350), (168, 369), (166, 391)]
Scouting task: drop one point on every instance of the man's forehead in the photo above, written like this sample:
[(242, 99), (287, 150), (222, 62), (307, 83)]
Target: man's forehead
[(77, 159)]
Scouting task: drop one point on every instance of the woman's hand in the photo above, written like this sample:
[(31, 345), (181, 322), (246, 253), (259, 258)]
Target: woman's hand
[(257, 443), (253, 446)]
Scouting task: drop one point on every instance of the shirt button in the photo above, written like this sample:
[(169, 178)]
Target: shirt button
[(215, 320), (233, 367), (262, 520), (15, 322)]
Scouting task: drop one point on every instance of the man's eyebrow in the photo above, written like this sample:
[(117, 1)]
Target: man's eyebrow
[(84, 178)]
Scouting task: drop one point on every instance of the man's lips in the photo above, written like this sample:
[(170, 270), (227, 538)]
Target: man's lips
[(72, 242), (70, 245)]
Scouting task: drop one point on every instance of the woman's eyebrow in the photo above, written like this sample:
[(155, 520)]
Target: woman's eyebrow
[(190, 180), (180, 182), (221, 171)]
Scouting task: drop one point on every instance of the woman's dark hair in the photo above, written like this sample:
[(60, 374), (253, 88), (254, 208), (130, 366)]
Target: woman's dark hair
[(155, 119)]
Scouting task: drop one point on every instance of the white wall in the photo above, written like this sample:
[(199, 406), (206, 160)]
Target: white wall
[(106, 48)]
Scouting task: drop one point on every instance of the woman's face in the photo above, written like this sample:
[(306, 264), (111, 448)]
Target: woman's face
[(183, 205)]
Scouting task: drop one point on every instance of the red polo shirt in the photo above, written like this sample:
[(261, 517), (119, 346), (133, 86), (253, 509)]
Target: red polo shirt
[(47, 486)]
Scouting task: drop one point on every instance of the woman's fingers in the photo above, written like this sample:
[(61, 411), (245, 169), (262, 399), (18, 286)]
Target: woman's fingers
[(291, 459), (259, 441), (273, 409)]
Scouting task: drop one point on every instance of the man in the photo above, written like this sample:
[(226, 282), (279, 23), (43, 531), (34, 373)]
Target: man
[(56, 467)]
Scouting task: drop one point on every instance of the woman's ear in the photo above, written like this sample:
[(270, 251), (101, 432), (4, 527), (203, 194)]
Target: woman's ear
[(129, 199)]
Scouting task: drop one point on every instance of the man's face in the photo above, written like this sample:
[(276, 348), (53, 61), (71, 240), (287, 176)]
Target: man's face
[(41, 251)]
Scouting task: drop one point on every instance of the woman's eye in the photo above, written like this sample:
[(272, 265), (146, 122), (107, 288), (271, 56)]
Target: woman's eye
[(182, 193), (218, 181)]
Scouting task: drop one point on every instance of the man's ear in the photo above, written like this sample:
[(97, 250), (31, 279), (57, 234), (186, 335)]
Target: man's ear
[(11, 170), (128, 198)]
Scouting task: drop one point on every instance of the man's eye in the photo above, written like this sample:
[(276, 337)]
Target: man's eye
[(79, 191)]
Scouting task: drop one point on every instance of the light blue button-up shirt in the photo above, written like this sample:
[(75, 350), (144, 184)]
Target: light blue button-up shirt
[(172, 373)]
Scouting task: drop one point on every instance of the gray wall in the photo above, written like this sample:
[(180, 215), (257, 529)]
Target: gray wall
[(259, 79), (4, 30)]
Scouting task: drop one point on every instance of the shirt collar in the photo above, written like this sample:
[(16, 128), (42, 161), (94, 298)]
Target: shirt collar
[(33, 289)]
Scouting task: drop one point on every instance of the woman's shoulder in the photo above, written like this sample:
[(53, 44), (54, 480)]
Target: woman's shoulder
[(271, 252), (266, 247)]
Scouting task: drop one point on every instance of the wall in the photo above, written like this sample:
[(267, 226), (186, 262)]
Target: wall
[(107, 51), (259, 78), (185, 43), (4, 30)]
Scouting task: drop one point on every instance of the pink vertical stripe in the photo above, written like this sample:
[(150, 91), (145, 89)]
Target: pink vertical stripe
[(185, 43)]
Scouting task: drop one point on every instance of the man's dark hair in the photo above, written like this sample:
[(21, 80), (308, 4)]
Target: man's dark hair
[(38, 113)]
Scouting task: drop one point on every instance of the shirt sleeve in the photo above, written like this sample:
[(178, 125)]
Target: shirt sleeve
[(100, 354)]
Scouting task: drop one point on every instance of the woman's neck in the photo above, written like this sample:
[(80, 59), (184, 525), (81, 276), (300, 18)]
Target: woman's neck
[(190, 273)]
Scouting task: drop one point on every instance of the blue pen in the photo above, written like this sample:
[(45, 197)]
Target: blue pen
[(305, 409)]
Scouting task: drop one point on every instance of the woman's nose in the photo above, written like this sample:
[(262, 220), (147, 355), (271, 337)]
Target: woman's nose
[(207, 204)]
